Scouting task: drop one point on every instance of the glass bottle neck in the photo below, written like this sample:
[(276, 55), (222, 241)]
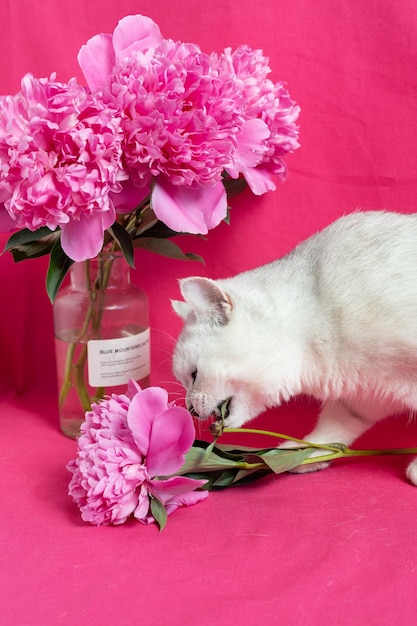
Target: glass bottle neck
[(105, 271)]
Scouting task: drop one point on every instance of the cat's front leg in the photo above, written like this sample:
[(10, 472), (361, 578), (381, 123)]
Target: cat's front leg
[(412, 472), (339, 422)]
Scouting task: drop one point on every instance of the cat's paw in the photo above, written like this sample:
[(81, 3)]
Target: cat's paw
[(412, 472), (310, 467)]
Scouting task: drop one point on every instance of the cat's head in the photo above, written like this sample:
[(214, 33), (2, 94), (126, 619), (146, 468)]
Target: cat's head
[(211, 356)]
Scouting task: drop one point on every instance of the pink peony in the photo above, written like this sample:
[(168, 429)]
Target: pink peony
[(179, 119), (179, 122), (60, 157), (266, 102), (186, 116), (128, 447)]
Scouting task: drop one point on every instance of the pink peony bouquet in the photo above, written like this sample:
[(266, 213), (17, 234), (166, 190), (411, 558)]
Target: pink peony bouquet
[(154, 145)]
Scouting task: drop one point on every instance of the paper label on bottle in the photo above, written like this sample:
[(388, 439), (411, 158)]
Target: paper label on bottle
[(113, 362)]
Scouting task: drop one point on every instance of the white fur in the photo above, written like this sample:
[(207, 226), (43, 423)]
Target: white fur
[(335, 319)]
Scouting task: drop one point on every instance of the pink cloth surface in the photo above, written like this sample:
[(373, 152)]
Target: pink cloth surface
[(337, 546)]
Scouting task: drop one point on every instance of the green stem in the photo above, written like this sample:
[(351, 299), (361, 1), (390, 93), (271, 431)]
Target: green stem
[(75, 369), (71, 365), (336, 450), (79, 380), (348, 452), (67, 382)]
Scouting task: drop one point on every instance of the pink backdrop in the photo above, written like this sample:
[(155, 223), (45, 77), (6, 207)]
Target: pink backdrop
[(352, 68)]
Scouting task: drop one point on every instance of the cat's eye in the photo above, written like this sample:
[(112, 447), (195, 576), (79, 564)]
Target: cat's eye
[(194, 375)]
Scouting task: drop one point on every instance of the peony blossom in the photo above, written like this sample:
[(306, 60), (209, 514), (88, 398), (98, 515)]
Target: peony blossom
[(60, 157), (129, 448), (188, 116), (103, 52), (266, 102), (179, 120)]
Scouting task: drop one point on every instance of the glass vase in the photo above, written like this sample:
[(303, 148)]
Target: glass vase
[(102, 336)]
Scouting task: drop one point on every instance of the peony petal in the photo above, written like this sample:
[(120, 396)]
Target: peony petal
[(188, 209), (132, 389), (172, 435), (141, 413), (259, 180), (214, 204), (97, 59), (186, 499), (120, 513), (108, 217), (175, 486), (135, 32), (251, 146), (129, 197), (162, 433), (142, 511), (173, 493), (4, 193), (178, 491), (83, 239), (7, 224)]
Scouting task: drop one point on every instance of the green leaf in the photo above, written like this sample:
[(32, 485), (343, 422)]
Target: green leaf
[(167, 248), (218, 480), (235, 478), (226, 479), (32, 250), (244, 477), (209, 450), (159, 512), (27, 244), (234, 186), (239, 477), (280, 459), (157, 230), (122, 237), (197, 459), (225, 466), (59, 264), (233, 453), (25, 236)]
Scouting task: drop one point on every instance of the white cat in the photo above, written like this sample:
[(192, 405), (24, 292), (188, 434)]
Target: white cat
[(335, 319)]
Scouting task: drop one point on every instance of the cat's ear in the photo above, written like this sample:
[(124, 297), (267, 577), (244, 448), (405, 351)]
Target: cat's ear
[(208, 301), (182, 309)]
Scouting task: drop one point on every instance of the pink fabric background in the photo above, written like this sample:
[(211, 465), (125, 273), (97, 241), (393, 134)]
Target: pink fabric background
[(336, 546)]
